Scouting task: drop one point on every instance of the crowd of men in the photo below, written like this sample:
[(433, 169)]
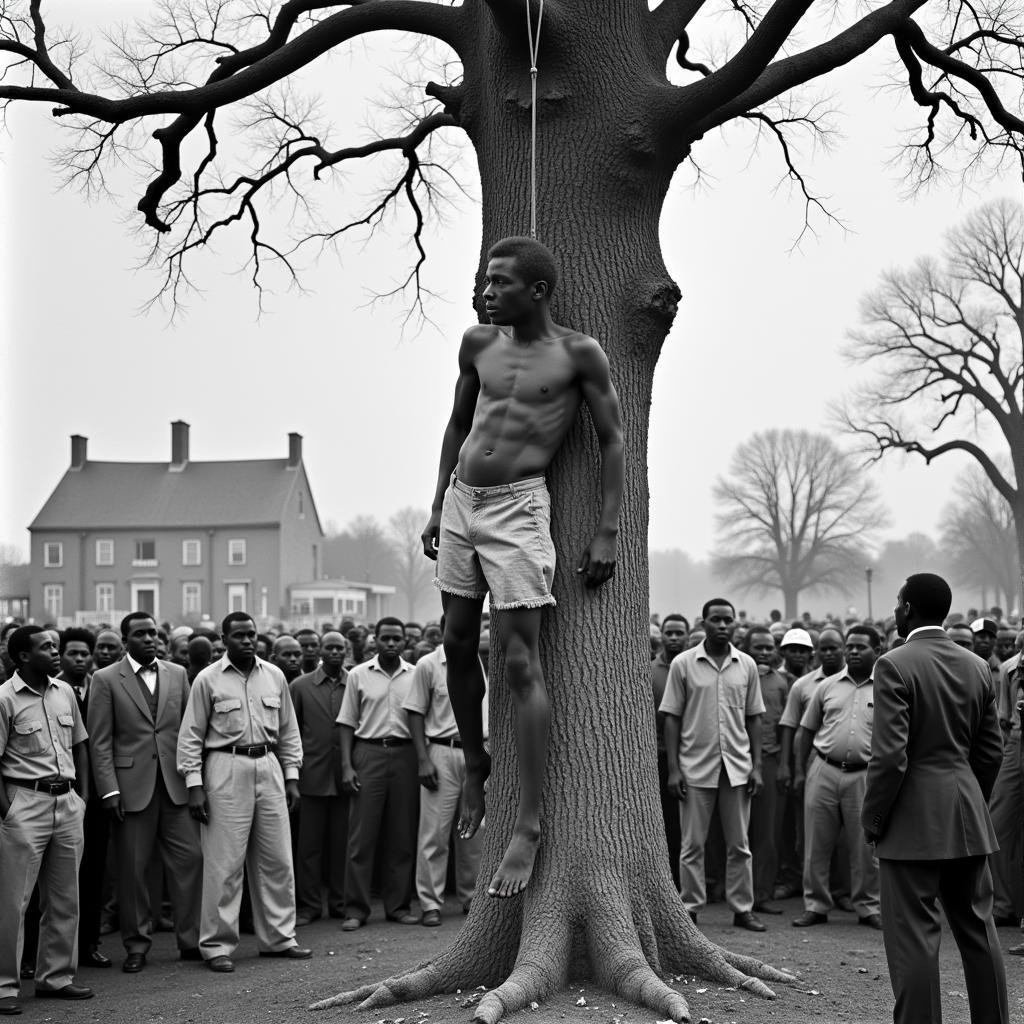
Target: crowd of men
[(149, 771), (764, 739)]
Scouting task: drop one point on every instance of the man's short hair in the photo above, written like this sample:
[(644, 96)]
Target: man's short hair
[(929, 595), (126, 622), (754, 631), (675, 617), (20, 642), (863, 629), (390, 620), (231, 618), (533, 259), (76, 634), (306, 632), (716, 600)]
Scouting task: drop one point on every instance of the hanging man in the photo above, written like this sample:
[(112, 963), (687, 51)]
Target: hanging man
[(521, 381)]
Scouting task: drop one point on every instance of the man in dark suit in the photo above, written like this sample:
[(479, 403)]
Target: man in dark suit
[(935, 753), (135, 712), (323, 821)]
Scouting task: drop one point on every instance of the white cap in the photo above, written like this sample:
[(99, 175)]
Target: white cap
[(799, 637)]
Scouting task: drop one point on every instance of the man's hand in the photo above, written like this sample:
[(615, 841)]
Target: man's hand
[(197, 804), (428, 774), (291, 794), (871, 837), (597, 564), (349, 779), (431, 534), (676, 785), (114, 807), (798, 781), (755, 783), (782, 778)]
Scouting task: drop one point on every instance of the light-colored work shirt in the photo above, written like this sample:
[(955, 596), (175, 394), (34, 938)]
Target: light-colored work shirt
[(37, 731), (428, 696), (799, 697), (713, 705), (840, 713), (147, 673), (373, 700), (1006, 694), (774, 690), (227, 708)]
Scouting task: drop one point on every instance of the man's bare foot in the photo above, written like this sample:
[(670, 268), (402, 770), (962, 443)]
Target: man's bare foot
[(516, 866), (473, 798)]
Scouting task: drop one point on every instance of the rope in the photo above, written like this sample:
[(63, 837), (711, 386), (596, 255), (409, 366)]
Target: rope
[(534, 42)]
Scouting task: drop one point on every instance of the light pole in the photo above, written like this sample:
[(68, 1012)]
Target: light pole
[(868, 572)]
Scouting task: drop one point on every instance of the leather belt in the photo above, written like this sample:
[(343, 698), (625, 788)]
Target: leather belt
[(53, 788), (387, 741), (449, 741), (844, 766), (253, 750)]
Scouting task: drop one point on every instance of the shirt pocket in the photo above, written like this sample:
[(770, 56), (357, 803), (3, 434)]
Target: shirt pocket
[(29, 737), (270, 708), (734, 695), (67, 724), (226, 718)]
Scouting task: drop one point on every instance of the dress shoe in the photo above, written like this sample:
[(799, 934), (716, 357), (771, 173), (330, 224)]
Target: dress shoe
[(767, 907), (407, 918), (1006, 921), (221, 964), (192, 953), (94, 958), (785, 892), (808, 918), (871, 921), (133, 963), (291, 953), (164, 924), (747, 920), (9, 1006), (431, 918), (64, 992), (304, 920), (1017, 950), (351, 924), (28, 972), (845, 904)]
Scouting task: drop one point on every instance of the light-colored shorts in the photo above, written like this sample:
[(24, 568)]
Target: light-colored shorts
[(497, 539)]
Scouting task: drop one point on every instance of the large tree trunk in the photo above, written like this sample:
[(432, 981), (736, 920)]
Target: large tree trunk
[(601, 902)]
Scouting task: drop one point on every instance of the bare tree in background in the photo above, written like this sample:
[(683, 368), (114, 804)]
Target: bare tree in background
[(625, 96), (795, 514), (413, 573), (979, 534), (945, 342), (361, 552)]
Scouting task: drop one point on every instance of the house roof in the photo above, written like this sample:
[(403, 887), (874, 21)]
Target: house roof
[(136, 495), (330, 586)]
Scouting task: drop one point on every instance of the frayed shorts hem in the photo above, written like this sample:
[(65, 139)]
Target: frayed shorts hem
[(536, 602), (456, 592)]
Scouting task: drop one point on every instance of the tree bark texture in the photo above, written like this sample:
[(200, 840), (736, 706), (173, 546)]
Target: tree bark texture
[(601, 902)]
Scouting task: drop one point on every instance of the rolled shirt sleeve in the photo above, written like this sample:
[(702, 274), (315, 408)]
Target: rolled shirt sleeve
[(192, 734)]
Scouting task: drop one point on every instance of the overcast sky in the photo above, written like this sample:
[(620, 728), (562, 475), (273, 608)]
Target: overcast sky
[(755, 345)]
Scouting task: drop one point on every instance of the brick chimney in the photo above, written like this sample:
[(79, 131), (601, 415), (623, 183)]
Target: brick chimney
[(179, 445), (294, 450), (79, 446)]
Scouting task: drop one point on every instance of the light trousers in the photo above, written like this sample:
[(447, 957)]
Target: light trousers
[(40, 840), (438, 809), (733, 804), (247, 828)]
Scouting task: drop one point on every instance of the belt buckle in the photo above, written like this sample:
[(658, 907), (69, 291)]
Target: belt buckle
[(54, 788), (257, 749), (845, 766)]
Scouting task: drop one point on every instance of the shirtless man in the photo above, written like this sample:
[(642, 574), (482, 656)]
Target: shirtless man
[(521, 382)]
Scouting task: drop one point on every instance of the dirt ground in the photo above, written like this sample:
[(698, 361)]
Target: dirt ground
[(841, 968)]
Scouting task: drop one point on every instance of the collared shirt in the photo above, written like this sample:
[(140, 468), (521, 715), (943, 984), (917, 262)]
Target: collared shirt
[(373, 701), (80, 691), (713, 704), (428, 696), (227, 708), (659, 679), (799, 697), (774, 691), (841, 712), (38, 732), (1009, 681), (147, 673)]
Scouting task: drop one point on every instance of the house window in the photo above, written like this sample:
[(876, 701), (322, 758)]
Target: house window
[(236, 553), (53, 600), (145, 553), (105, 552), (104, 598), (238, 595), (191, 553), (191, 598), (53, 554)]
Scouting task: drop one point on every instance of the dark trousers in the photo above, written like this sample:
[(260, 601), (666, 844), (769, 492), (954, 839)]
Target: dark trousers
[(169, 828), (912, 930), (323, 847), (1006, 805), (96, 827), (388, 802), (766, 820), (670, 812)]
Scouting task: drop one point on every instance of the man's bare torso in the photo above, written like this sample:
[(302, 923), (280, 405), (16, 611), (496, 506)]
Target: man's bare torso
[(529, 395)]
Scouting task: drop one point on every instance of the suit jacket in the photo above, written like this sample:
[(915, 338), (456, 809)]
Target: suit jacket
[(317, 716), (128, 747), (935, 752)]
